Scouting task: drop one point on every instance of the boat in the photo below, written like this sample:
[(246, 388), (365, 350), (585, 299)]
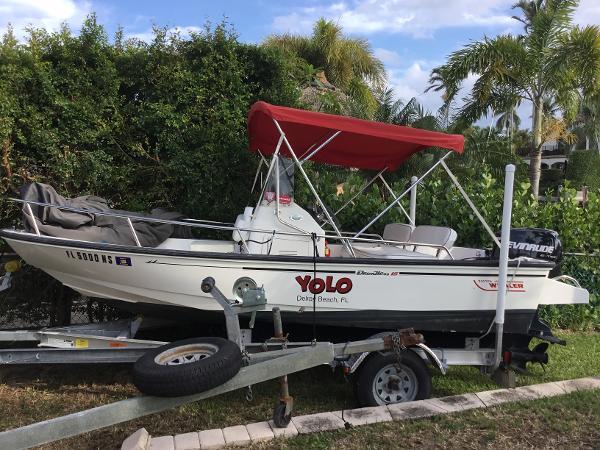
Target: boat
[(413, 275)]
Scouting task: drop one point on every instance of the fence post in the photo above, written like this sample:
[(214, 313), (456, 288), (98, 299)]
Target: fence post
[(503, 260), (413, 200)]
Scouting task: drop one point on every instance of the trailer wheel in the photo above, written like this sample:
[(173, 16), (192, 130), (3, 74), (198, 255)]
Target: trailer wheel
[(379, 382), (187, 367), (280, 418)]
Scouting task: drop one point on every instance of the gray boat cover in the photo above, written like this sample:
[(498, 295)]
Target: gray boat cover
[(92, 227)]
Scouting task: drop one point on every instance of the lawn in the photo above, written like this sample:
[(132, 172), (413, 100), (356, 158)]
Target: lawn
[(32, 394), (567, 421)]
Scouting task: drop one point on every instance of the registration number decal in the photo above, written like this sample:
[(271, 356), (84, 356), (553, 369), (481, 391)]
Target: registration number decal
[(99, 258)]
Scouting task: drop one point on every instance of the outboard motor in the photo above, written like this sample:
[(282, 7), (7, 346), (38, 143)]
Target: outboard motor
[(538, 243)]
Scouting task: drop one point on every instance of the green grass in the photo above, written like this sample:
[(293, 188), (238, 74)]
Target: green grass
[(567, 421), (29, 395), (579, 358)]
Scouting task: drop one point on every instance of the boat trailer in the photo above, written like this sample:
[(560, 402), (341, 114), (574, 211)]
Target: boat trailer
[(370, 360), (114, 342)]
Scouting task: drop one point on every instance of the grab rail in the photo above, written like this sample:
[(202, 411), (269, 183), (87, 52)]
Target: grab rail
[(135, 237), (567, 278), (196, 224)]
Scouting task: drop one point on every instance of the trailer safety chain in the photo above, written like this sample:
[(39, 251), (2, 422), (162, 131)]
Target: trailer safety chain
[(249, 394), (245, 358), (398, 347), (246, 362)]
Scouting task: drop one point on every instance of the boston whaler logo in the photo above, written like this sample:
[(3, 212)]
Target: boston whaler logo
[(492, 285), (318, 285)]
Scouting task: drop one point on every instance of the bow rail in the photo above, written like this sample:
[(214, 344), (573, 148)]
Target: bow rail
[(218, 226)]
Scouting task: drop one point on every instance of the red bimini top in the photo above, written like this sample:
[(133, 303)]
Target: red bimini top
[(362, 144)]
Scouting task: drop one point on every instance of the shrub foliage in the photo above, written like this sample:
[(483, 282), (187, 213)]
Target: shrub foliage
[(583, 169), (144, 125)]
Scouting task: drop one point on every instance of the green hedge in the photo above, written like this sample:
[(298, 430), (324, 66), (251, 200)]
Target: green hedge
[(551, 179), (583, 168), (144, 125)]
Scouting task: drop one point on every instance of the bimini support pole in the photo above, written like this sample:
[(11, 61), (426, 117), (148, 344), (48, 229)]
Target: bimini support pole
[(362, 189), (262, 162), (271, 167), (503, 261), (413, 201), (393, 194), (312, 188), (471, 204), (319, 148), (33, 219), (397, 199)]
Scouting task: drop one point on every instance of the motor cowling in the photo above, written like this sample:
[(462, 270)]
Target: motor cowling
[(538, 243)]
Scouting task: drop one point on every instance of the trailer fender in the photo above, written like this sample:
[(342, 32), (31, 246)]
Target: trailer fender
[(432, 357), (354, 362)]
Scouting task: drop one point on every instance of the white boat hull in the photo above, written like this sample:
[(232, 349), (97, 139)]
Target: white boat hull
[(349, 291)]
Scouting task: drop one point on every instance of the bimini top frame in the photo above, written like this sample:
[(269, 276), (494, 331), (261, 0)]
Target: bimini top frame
[(346, 139), (322, 150)]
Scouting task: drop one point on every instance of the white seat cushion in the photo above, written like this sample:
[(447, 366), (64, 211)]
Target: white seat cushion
[(397, 232), (429, 234), (387, 252), (241, 221)]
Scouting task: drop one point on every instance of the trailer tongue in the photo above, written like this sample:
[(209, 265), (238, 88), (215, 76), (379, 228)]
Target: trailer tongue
[(275, 358)]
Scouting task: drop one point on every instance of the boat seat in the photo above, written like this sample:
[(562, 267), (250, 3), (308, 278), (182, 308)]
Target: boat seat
[(400, 232), (463, 253), (242, 221), (432, 235), (387, 251)]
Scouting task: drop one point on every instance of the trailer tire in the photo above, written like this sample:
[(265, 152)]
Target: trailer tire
[(187, 367), (379, 383)]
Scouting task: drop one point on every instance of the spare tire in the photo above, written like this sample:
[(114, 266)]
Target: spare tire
[(187, 367)]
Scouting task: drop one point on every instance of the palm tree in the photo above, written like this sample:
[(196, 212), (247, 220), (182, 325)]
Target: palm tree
[(509, 121), (588, 120), (552, 59), (487, 150), (529, 8), (348, 63), (411, 113)]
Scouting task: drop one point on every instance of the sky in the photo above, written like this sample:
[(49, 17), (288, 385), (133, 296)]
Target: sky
[(410, 36)]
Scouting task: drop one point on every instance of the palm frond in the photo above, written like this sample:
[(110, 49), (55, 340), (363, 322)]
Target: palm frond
[(361, 93), (348, 63), (548, 25), (494, 60), (588, 119), (579, 55), (364, 63), (290, 43), (529, 8)]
